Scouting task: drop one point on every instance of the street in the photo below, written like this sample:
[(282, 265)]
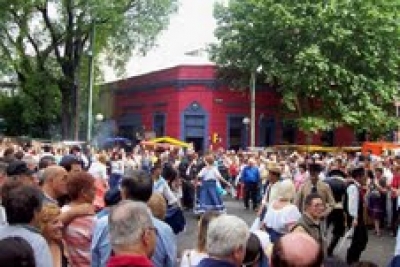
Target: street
[(379, 249)]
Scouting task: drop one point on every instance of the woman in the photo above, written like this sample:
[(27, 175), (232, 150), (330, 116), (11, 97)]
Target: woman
[(394, 195), (376, 197), (51, 228), (281, 215), (78, 234), (209, 198), (158, 206), (301, 176), (191, 258)]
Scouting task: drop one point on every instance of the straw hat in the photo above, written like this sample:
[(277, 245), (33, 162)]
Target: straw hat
[(274, 167)]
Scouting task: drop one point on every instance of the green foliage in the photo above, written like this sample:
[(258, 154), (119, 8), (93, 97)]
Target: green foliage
[(50, 38), (333, 62)]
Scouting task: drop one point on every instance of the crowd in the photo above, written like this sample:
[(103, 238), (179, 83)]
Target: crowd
[(84, 207)]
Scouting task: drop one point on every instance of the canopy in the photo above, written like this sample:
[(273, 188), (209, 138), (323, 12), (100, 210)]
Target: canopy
[(170, 140), (378, 148)]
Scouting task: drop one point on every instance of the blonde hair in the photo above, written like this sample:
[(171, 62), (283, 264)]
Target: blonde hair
[(48, 213), (286, 190), (158, 206)]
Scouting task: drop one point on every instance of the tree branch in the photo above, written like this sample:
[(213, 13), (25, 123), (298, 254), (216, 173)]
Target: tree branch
[(53, 34)]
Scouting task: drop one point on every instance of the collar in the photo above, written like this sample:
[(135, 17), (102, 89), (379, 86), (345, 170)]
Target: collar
[(310, 221), (129, 260), (50, 199), (209, 262)]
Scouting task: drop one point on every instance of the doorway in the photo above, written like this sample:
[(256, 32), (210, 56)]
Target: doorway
[(197, 143), (194, 126)]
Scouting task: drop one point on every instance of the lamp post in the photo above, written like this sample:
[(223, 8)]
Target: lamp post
[(253, 82), (90, 82), (99, 118), (246, 122)]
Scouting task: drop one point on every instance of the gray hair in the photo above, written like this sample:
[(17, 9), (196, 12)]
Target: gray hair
[(225, 234), (127, 222)]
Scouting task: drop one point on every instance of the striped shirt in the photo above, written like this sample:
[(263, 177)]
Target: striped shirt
[(78, 237)]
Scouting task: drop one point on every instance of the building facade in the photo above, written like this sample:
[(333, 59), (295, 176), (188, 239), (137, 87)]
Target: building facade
[(189, 103)]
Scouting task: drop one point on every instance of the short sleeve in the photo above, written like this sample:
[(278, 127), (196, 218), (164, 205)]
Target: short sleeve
[(292, 214)]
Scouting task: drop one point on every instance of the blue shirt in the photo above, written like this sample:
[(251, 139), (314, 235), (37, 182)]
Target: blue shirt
[(164, 254), (250, 175)]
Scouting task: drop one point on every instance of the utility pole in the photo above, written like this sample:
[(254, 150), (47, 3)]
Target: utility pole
[(253, 108), (90, 82)]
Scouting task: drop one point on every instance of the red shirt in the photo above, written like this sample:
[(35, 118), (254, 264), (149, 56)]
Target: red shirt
[(395, 184), (129, 261)]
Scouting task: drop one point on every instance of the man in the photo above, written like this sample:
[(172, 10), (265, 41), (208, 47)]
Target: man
[(18, 170), (337, 183), (133, 243), (250, 177), (296, 249), (226, 242), (310, 221), (138, 186), (355, 209), (22, 204), (71, 163), (315, 185), (271, 192), (54, 184)]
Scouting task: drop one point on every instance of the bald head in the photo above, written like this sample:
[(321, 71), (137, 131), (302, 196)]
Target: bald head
[(52, 171), (55, 181), (297, 249)]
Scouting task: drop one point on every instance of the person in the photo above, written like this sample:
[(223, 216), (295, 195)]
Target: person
[(138, 186), (376, 197), (227, 237), (50, 226), (158, 206), (255, 255), (287, 252), (71, 163), (22, 204), (18, 170), (209, 199), (282, 215), (274, 175), (337, 183), (16, 252), (98, 170), (301, 176), (161, 186), (133, 243), (394, 196), (78, 233), (117, 170), (311, 219), (315, 185), (54, 184), (250, 176), (192, 257), (355, 207)]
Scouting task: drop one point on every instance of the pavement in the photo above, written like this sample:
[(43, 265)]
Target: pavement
[(379, 249)]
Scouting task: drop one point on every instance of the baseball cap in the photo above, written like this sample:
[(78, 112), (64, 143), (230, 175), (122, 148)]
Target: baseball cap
[(18, 167)]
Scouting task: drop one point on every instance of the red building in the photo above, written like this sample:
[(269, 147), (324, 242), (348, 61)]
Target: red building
[(189, 103)]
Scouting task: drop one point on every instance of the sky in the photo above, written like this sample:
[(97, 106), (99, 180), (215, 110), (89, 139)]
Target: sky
[(191, 28)]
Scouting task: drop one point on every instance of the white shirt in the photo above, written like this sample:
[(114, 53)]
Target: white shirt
[(192, 258), (161, 186), (98, 170), (279, 219), (209, 173), (353, 194)]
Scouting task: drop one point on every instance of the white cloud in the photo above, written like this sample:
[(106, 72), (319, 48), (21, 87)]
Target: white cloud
[(190, 29)]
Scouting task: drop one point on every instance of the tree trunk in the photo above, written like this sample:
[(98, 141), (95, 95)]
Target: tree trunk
[(66, 114)]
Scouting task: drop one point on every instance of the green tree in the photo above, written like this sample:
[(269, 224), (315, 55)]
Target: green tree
[(333, 62), (49, 38)]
